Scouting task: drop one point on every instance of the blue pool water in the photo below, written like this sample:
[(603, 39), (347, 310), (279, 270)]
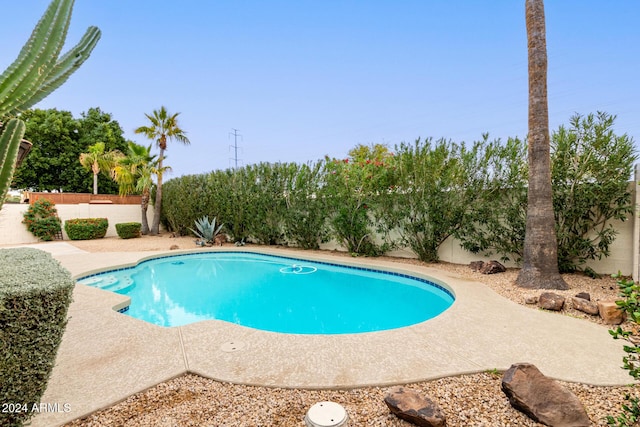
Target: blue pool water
[(272, 293)]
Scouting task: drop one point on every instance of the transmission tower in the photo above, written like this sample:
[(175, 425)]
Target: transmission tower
[(235, 147)]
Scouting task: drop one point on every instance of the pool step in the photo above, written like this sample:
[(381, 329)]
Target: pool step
[(125, 283), (109, 283)]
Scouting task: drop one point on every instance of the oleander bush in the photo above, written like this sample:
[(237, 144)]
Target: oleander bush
[(630, 305), (42, 219), (437, 187), (35, 293), (304, 221), (268, 203), (128, 230), (590, 170), (86, 228), (187, 198), (354, 189), (375, 200)]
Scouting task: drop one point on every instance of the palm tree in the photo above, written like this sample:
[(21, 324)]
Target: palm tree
[(134, 174), (97, 160), (540, 257), (164, 127)]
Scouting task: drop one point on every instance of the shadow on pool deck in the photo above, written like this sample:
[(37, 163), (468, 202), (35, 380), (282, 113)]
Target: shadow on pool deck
[(106, 356)]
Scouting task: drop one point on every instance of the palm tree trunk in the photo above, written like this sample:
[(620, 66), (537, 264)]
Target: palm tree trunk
[(157, 208), (144, 205), (540, 260), (95, 183)]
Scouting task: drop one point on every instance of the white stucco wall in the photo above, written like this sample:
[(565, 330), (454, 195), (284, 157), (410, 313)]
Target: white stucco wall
[(13, 232)]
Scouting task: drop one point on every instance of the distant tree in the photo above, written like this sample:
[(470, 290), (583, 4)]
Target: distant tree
[(52, 163), (540, 257), (134, 174), (96, 125), (97, 160), (58, 139), (162, 127)]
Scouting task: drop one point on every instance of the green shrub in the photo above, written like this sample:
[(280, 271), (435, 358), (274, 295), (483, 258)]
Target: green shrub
[(354, 189), (264, 185), (436, 187), (187, 198), (128, 230), (304, 219), (590, 178), (35, 293), (630, 304), (86, 228), (591, 166), (42, 219)]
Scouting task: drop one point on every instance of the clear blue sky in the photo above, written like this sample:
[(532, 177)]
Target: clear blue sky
[(301, 79)]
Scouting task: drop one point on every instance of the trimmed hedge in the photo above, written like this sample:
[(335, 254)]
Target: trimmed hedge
[(128, 230), (35, 293), (86, 228)]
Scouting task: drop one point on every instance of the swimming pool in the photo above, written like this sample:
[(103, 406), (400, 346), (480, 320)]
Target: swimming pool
[(273, 293)]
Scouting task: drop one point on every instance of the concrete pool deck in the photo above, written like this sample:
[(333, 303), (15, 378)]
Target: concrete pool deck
[(106, 356)]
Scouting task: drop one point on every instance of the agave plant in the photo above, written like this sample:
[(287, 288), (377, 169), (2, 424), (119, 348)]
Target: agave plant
[(206, 230)]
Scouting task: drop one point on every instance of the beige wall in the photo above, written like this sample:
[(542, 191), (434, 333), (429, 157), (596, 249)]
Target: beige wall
[(620, 259), (13, 232), (624, 252)]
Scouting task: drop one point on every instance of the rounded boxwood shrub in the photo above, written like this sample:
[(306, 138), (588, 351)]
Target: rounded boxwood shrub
[(128, 230), (86, 228), (35, 293)]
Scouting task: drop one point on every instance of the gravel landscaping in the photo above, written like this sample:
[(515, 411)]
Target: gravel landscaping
[(467, 400)]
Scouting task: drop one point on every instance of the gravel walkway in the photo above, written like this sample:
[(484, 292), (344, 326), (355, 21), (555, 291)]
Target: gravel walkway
[(468, 400)]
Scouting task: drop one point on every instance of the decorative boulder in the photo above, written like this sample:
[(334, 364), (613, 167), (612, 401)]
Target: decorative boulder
[(584, 295), (476, 265), (551, 301), (492, 267), (414, 408), (541, 398), (531, 299), (584, 305), (610, 312), (220, 239), (174, 247)]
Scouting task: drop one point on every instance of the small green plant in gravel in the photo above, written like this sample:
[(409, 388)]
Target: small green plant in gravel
[(630, 304)]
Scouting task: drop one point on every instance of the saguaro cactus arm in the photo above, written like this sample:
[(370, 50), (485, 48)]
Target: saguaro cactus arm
[(37, 71), (10, 138), (66, 66)]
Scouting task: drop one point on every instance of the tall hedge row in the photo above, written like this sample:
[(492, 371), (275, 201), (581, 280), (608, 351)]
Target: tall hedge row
[(269, 203), (421, 194), (35, 293)]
